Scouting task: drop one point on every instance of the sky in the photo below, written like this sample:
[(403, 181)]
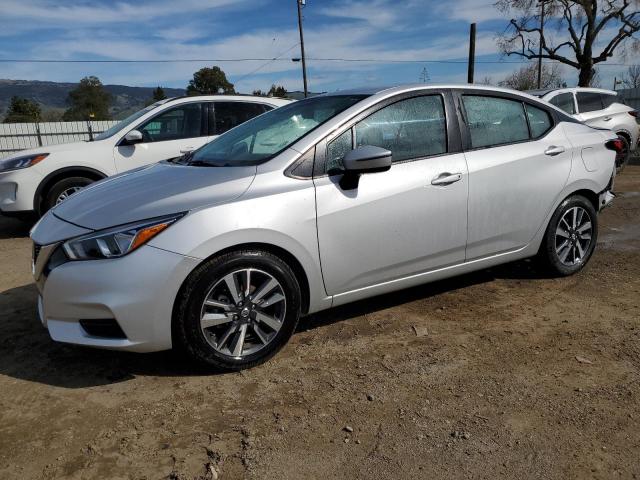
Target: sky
[(381, 30)]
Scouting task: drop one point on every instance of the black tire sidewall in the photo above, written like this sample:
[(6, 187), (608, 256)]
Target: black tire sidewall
[(186, 323), (550, 253), (62, 185)]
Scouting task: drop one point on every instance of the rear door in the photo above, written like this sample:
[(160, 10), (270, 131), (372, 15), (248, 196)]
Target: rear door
[(169, 134), (395, 223), (592, 110), (519, 160)]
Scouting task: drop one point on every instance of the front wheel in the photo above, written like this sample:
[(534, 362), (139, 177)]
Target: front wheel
[(571, 236), (63, 189), (237, 310)]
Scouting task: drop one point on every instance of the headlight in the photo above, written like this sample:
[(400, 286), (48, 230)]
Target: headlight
[(21, 162), (118, 241)]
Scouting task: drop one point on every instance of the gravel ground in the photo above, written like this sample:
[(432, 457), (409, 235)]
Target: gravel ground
[(504, 373)]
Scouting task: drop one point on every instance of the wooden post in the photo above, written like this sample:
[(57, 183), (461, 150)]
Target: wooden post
[(472, 52)]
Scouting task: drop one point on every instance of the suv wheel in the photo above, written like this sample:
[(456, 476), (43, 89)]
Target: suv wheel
[(571, 236), (63, 189), (237, 310)]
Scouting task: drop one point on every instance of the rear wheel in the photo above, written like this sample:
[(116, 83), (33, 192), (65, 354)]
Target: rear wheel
[(237, 310), (571, 236), (63, 189)]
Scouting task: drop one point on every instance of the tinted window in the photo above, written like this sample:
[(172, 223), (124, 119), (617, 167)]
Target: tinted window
[(495, 121), (267, 135), (539, 121), (608, 99), (589, 101), (231, 114), (564, 101), (183, 121)]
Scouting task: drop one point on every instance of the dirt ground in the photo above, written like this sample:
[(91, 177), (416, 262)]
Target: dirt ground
[(505, 373)]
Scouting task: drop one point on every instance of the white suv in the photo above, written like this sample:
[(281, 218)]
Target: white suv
[(37, 179), (598, 108)]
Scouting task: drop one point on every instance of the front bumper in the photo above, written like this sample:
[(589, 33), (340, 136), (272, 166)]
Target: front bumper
[(137, 291), (18, 190)]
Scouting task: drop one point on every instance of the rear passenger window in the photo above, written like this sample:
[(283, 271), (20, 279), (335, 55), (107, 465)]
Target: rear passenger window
[(564, 101), (608, 99), (539, 121), (589, 101), (231, 114), (495, 121)]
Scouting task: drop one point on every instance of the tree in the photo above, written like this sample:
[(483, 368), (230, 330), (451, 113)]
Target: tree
[(157, 95), (209, 81), (631, 79), (259, 93), (89, 100), (277, 91), (573, 30), (22, 110), (526, 78)]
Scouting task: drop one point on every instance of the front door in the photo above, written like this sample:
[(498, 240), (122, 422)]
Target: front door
[(169, 134), (395, 223)]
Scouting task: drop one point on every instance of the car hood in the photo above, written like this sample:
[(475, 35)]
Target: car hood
[(159, 189), (62, 147)]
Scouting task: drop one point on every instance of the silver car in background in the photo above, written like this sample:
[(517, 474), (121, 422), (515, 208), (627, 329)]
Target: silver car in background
[(318, 203)]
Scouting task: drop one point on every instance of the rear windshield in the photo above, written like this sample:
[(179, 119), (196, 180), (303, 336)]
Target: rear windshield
[(269, 134)]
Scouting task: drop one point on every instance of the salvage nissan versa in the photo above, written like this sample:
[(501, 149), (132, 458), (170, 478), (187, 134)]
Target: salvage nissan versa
[(318, 203)]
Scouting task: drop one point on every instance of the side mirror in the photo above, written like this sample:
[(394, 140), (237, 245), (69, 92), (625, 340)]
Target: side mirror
[(365, 159), (133, 137)]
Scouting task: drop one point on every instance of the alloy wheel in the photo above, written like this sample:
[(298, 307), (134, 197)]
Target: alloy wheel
[(573, 236), (243, 312), (67, 193)]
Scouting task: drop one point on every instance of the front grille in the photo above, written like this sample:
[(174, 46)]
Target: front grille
[(103, 327)]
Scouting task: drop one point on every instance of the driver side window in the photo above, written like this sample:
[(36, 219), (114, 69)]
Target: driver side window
[(183, 121), (411, 129)]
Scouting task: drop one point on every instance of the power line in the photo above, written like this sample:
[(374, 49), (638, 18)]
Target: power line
[(269, 60)]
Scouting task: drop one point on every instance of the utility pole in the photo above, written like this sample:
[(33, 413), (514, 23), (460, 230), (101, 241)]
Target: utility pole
[(542, 2), (304, 62), (472, 53)]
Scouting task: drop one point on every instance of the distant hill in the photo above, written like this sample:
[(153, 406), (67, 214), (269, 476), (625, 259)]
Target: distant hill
[(52, 96)]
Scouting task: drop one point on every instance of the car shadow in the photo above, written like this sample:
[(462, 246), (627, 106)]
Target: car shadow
[(28, 353), (14, 227)]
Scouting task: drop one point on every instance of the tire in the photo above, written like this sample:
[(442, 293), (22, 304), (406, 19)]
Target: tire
[(210, 333), (565, 250), (623, 158), (62, 187)]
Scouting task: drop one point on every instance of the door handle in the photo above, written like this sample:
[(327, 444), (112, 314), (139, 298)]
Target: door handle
[(186, 150), (606, 119), (446, 178), (553, 151)]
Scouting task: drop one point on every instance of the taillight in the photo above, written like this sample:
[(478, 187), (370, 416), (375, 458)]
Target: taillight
[(634, 113), (616, 145)]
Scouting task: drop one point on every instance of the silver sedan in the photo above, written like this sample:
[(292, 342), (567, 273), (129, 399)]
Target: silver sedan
[(319, 203)]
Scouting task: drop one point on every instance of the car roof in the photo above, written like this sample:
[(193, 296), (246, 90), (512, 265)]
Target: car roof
[(231, 97), (386, 90), (543, 92)]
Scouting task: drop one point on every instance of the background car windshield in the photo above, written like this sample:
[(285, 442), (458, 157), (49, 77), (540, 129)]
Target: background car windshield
[(269, 134), (127, 121)]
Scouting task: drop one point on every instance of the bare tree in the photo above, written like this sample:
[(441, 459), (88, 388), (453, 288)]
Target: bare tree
[(631, 79), (572, 30), (526, 78)]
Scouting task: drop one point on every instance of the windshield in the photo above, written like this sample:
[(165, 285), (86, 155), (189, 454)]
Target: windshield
[(127, 121), (269, 134)]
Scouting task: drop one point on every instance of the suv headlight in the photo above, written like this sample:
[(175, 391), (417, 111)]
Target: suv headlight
[(118, 241), (25, 161)]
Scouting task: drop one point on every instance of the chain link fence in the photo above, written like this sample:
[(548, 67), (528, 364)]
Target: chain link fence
[(21, 136)]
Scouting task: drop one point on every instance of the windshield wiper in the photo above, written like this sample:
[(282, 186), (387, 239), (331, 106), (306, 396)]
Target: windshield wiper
[(201, 163)]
